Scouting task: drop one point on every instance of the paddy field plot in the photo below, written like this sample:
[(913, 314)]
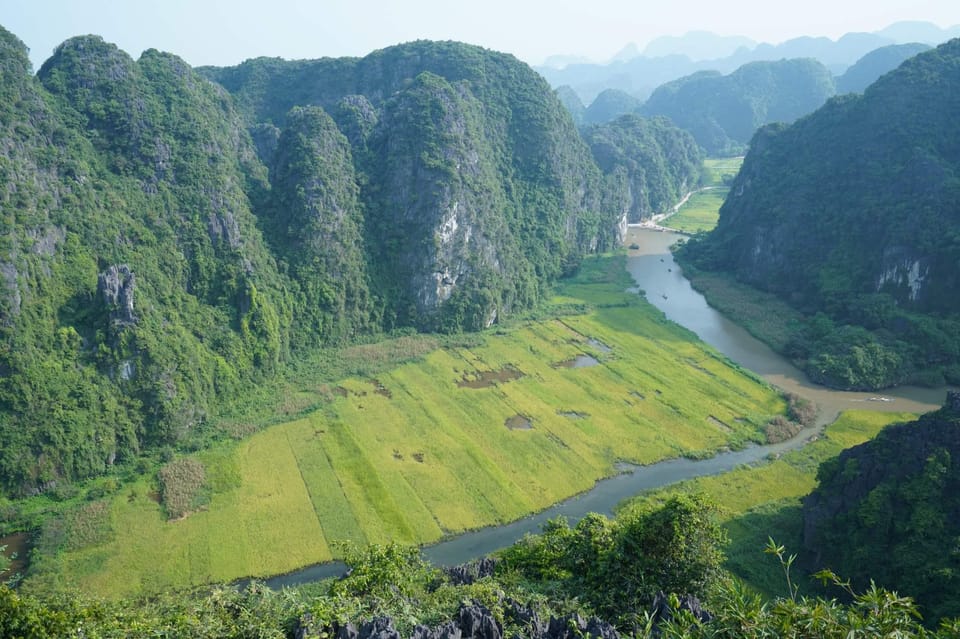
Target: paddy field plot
[(426, 449)]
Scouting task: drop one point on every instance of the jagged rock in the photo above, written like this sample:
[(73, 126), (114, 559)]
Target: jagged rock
[(377, 628), (449, 630), (356, 117), (8, 276), (477, 622), (116, 286), (661, 611), (468, 573), (307, 627), (598, 628), (265, 137), (346, 631), (524, 616)]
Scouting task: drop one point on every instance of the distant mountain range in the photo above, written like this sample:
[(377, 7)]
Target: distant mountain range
[(671, 57), (722, 112)]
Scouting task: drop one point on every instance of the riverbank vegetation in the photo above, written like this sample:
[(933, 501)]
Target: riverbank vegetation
[(550, 585), (763, 500), (864, 245), (426, 449)]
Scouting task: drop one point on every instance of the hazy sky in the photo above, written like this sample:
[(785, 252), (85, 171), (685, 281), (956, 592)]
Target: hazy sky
[(226, 32)]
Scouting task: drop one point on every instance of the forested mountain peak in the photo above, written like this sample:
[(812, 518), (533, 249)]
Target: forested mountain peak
[(879, 61), (723, 111), (894, 499), (174, 236)]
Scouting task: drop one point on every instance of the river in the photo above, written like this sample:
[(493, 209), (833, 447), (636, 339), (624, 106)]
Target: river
[(655, 272)]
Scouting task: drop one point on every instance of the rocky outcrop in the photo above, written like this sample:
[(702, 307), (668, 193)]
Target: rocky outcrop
[(663, 610), (468, 573), (888, 511), (472, 621), (317, 224), (116, 287), (953, 402), (649, 164), (899, 452), (439, 220)]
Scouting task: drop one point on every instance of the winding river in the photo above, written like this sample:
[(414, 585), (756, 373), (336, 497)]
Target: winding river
[(655, 272)]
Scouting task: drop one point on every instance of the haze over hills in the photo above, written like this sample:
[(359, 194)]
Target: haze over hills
[(723, 111), (867, 69), (674, 57)]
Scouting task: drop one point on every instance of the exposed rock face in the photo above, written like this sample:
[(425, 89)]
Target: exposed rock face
[(11, 299), (953, 401), (662, 611), (356, 117), (468, 573), (649, 164), (472, 621), (116, 286), (439, 222), (317, 221)]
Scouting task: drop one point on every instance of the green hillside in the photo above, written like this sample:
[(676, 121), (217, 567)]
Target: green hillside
[(852, 215), (723, 111), (648, 164)]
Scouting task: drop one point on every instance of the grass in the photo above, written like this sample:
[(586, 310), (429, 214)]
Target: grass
[(411, 455), (701, 212), (760, 501), (721, 171)]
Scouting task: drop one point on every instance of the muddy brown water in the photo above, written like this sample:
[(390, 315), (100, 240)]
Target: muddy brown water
[(518, 422), (653, 269)]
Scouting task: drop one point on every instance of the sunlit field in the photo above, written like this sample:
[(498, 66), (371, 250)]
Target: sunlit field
[(458, 438), (702, 210)]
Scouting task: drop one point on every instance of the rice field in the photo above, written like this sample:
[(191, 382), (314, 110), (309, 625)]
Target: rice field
[(701, 212), (425, 449)]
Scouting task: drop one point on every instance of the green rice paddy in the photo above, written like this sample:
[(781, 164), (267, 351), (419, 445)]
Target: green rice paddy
[(417, 452), (701, 212)]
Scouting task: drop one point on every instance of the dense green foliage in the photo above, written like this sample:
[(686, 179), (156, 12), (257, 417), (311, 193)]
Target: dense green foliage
[(476, 188), (551, 576), (648, 164), (852, 212), (723, 111), (610, 105), (572, 103), (617, 567), (168, 246), (867, 69), (138, 172), (887, 511)]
